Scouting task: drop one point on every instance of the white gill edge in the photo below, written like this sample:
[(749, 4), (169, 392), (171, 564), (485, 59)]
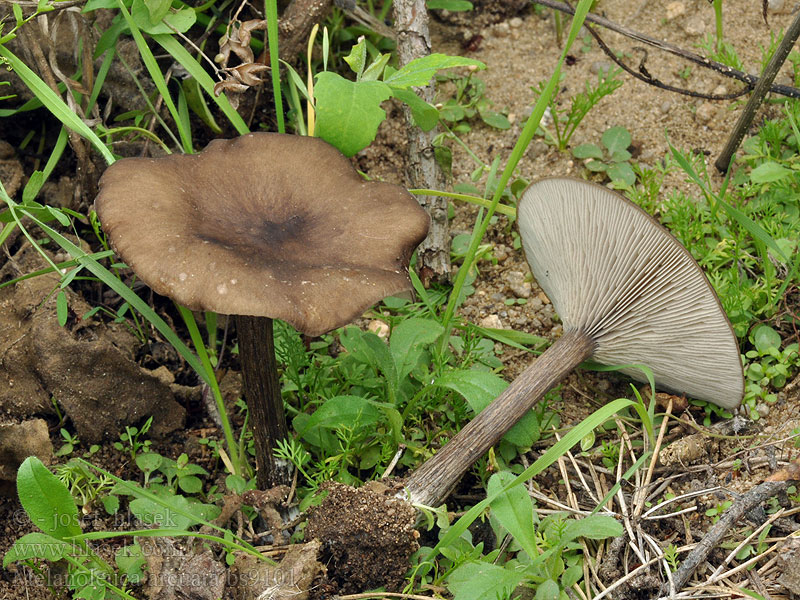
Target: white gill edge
[(609, 269)]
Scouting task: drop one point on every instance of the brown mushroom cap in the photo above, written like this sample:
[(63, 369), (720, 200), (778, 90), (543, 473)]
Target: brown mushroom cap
[(612, 271), (266, 224)]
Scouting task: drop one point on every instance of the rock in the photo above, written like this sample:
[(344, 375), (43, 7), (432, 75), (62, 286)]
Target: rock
[(665, 107), (87, 366), (762, 409), (515, 280), (491, 322), (600, 67), (379, 328), (695, 26), (515, 23), (776, 6), (705, 113), (18, 441), (675, 10), (720, 90), (501, 30)]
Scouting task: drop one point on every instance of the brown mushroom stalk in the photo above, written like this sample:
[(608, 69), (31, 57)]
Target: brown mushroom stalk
[(626, 291), (264, 226)]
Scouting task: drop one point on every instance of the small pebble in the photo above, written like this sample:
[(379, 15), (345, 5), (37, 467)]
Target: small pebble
[(6, 150), (515, 23), (695, 26), (720, 90), (705, 113), (500, 252), (491, 322), (379, 328), (517, 284), (776, 6), (501, 30), (665, 107), (675, 10), (762, 409)]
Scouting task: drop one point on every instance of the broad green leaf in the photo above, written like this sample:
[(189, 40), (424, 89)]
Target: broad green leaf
[(425, 115), (339, 411), (596, 165), (419, 71), (368, 348), (179, 512), (765, 337), (149, 461), (46, 500), (357, 59), (547, 590), (61, 308), (157, 9), (495, 119), (95, 4), (451, 5), (37, 545), (349, 113), (513, 508), (409, 340), (110, 503), (587, 151), (374, 70), (769, 172), (622, 172), (479, 388), (181, 20), (131, 561), (616, 139), (593, 527), (483, 581)]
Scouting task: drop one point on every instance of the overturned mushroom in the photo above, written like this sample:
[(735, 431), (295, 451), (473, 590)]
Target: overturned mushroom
[(265, 226), (626, 291)]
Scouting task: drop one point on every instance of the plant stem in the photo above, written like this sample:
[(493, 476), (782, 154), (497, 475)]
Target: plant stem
[(430, 484), (262, 392), (211, 378)]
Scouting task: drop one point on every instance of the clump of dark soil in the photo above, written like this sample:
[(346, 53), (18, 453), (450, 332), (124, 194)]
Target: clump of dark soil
[(367, 536)]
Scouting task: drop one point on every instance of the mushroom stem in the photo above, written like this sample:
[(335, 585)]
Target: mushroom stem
[(432, 482), (262, 391)]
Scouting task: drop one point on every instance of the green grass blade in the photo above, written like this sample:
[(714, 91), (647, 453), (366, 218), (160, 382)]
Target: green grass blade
[(157, 76), (187, 61), (272, 40), (54, 103)]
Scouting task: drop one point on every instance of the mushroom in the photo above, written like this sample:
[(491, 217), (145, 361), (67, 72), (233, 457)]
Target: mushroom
[(626, 291), (265, 226)]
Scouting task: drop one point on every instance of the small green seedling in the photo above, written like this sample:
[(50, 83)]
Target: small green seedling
[(131, 440), (768, 367), (611, 158), (566, 121)]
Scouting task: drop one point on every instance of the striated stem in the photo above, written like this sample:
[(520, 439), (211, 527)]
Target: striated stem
[(432, 482), (262, 391)]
